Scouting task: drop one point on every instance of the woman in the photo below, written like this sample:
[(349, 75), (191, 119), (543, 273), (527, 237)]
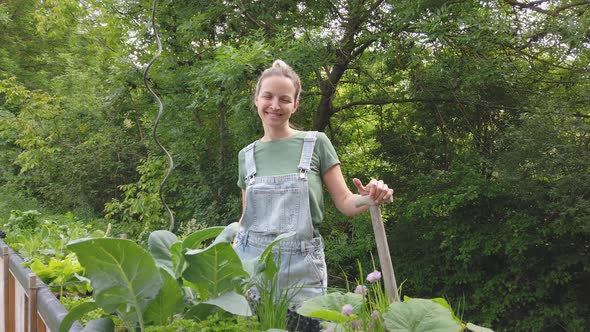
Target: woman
[(281, 177)]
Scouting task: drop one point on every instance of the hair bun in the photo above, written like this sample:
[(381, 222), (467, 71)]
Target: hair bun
[(280, 64), (280, 68)]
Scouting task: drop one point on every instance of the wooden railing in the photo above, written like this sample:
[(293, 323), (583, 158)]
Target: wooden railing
[(28, 304)]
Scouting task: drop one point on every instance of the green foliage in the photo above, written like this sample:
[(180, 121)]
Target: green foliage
[(61, 274), (510, 230), (168, 301), (217, 322), (126, 280), (348, 240), (65, 146), (329, 307), (41, 240), (368, 309), (100, 325), (410, 315), (420, 315), (160, 246), (23, 220), (475, 112), (140, 211), (74, 301), (123, 275), (33, 234), (75, 313), (272, 308), (213, 270), (11, 200)]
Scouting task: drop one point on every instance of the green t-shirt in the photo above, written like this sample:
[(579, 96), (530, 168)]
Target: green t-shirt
[(282, 157)]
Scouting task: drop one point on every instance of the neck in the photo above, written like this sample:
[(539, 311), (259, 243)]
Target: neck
[(274, 134)]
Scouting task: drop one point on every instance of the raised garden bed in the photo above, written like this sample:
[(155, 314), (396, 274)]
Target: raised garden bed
[(28, 304)]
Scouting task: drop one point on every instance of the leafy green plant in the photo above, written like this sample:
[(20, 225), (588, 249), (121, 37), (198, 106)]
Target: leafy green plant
[(217, 322), (41, 241), (272, 307), (148, 287), (72, 301), (24, 219), (367, 310), (61, 274), (140, 209), (345, 312), (34, 234)]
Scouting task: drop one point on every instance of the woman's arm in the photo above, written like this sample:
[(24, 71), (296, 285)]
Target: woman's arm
[(344, 199)]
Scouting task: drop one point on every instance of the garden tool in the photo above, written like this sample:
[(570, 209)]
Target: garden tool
[(382, 246)]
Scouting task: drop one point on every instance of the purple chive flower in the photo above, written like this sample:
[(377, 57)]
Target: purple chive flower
[(374, 276), (347, 309), (356, 324), (375, 315), (361, 289)]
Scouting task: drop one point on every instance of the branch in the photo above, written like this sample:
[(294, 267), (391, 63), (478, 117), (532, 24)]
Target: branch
[(535, 3), (580, 115), (375, 5), (335, 9), (248, 16), (521, 52), (361, 48), (574, 4), (556, 12), (532, 6), (389, 101)]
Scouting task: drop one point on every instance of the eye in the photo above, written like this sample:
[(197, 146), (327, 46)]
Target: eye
[(286, 100)]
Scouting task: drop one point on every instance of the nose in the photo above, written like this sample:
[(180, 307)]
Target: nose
[(275, 104)]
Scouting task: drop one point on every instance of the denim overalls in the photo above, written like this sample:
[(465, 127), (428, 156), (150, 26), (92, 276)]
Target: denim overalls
[(280, 204)]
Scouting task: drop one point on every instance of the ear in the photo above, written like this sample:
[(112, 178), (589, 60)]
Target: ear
[(295, 107)]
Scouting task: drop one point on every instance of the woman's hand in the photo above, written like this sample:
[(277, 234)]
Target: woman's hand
[(345, 200), (375, 189)]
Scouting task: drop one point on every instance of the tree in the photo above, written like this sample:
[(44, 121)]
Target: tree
[(71, 147), (475, 111)]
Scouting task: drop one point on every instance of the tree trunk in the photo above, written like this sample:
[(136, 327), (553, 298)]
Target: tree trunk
[(328, 88)]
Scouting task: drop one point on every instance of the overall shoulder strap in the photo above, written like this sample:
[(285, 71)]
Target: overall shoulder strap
[(307, 151), (250, 163)]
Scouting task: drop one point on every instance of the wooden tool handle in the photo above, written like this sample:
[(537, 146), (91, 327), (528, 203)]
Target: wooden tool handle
[(366, 200), (382, 247)]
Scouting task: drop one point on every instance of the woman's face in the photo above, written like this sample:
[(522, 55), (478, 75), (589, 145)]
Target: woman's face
[(276, 101)]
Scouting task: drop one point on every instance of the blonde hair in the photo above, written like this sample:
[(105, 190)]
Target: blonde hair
[(280, 68)]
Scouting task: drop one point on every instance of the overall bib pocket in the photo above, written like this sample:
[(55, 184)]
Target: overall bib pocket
[(275, 210)]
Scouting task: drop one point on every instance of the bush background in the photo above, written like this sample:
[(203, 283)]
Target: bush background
[(476, 112)]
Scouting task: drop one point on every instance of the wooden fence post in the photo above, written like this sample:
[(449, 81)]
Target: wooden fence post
[(13, 299), (5, 294), (32, 319)]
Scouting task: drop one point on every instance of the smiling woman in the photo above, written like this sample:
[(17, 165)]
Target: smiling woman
[(276, 103), (281, 177), (277, 98)]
